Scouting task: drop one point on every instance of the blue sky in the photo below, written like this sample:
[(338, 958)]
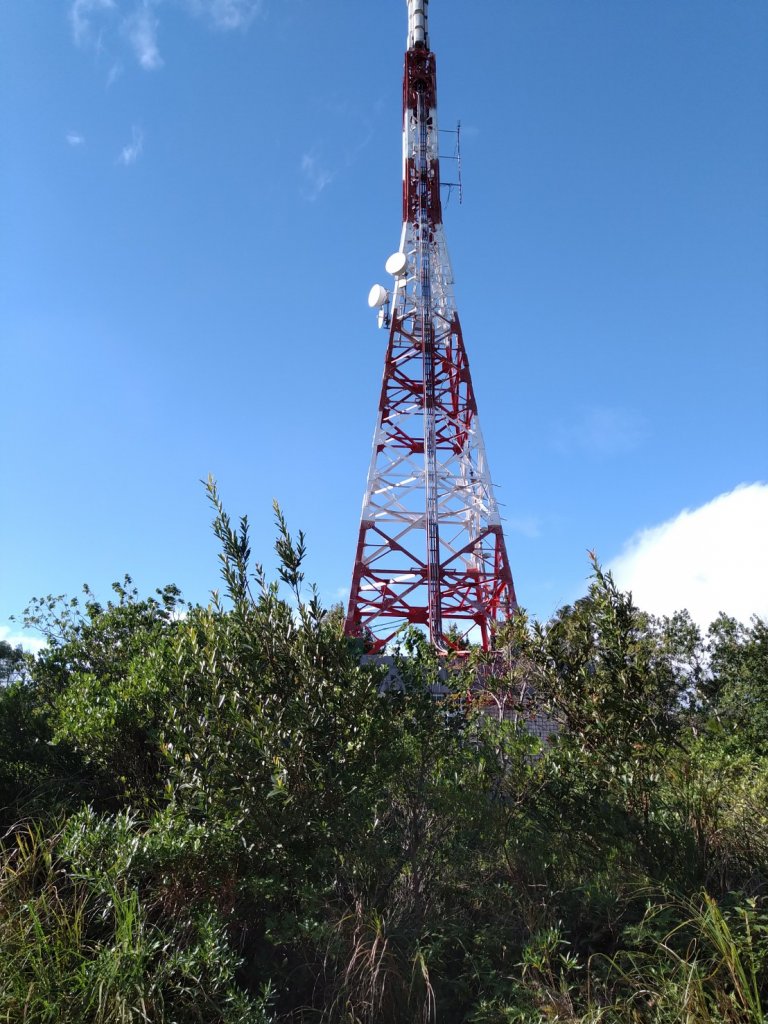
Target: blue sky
[(196, 195)]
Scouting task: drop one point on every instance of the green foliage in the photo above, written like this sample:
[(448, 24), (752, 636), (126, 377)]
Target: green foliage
[(101, 639), (736, 692), (81, 948), (603, 667), (691, 959), (11, 663), (216, 814)]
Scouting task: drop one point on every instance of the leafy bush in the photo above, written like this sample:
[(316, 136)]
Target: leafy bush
[(216, 814)]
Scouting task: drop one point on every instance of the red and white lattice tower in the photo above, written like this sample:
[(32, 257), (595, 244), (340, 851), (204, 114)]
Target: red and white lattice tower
[(431, 550)]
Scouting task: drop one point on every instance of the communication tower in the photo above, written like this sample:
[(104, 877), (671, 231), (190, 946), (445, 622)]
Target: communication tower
[(430, 550)]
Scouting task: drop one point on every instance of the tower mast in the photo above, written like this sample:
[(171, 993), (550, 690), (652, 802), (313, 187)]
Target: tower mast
[(430, 549)]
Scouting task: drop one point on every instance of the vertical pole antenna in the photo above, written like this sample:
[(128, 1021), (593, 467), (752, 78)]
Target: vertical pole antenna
[(417, 24)]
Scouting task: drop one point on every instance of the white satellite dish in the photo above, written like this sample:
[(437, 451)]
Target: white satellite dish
[(377, 296), (397, 264)]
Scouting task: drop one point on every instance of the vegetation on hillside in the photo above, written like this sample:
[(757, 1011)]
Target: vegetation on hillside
[(214, 815)]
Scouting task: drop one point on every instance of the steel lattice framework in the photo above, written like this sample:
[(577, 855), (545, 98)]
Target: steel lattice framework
[(431, 549)]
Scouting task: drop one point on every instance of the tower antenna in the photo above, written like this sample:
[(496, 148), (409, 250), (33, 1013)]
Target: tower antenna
[(455, 156), (430, 549)]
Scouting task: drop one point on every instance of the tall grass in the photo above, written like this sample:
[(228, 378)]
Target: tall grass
[(379, 971), (709, 967), (67, 955), (75, 952)]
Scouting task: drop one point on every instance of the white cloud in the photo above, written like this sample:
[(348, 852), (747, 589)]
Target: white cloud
[(106, 26), (708, 559), (80, 16), (33, 644), (528, 526), (141, 29), (316, 176), (600, 431), (114, 73), (226, 14), (131, 152), (74, 138)]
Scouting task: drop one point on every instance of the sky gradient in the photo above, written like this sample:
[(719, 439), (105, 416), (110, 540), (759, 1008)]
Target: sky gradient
[(196, 195)]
